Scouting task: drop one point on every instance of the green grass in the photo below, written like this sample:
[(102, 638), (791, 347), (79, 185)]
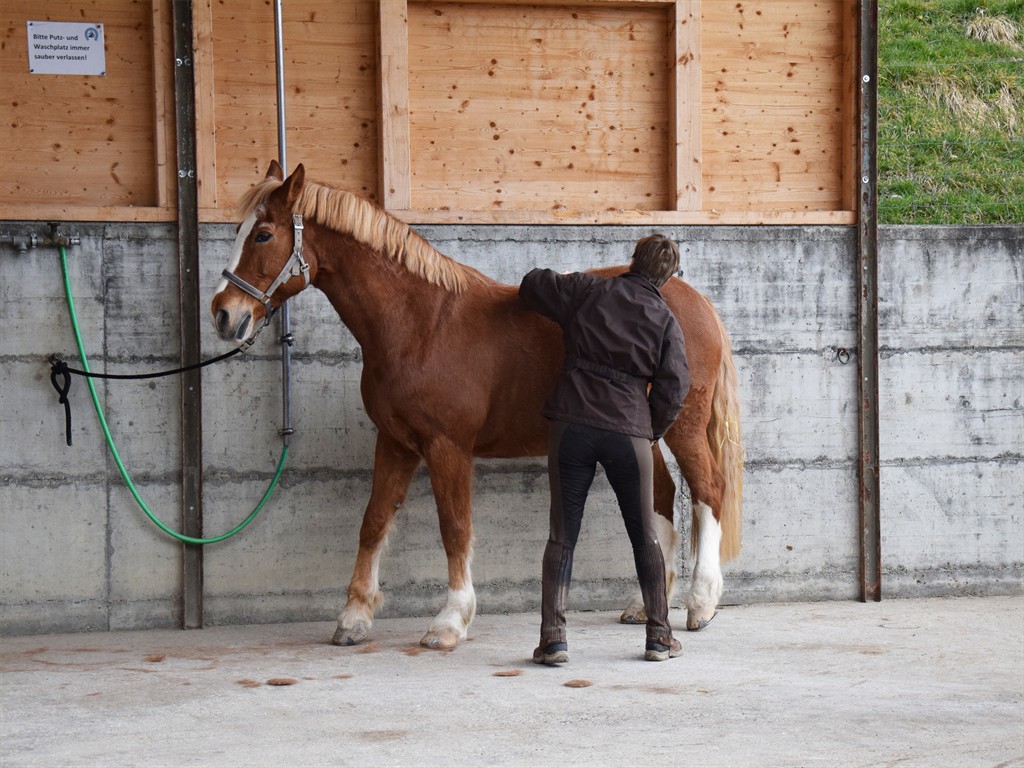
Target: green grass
[(951, 111)]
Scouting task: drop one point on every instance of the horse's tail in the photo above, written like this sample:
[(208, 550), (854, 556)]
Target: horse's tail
[(726, 441)]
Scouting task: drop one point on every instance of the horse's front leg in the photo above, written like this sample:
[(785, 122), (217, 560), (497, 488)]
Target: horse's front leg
[(668, 537), (393, 468), (451, 475)]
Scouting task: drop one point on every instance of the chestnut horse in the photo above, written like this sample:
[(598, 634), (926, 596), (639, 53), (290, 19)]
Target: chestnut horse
[(454, 366)]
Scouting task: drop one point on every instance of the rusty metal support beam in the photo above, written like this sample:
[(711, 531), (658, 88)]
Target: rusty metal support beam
[(188, 299), (867, 310)]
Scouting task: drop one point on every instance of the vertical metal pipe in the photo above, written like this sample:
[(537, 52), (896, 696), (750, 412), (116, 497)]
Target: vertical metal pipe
[(188, 302), (867, 310), (282, 142), (286, 430)]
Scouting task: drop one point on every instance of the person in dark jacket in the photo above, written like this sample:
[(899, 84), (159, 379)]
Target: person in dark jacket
[(621, 386)]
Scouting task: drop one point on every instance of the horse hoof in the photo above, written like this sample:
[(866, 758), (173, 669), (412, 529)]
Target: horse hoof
[(440, 639), (696, 621), (633, 617), (634, 612), (350, 635)]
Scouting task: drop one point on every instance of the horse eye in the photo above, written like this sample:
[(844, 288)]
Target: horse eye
[(263, 237)]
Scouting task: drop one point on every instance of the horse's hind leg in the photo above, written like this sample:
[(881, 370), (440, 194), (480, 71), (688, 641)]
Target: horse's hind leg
[(392, 471), (664, 506), (451, 475), (706, 589), (697, 465)]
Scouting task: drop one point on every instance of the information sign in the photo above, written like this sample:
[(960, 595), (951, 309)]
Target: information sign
[(66, 48)]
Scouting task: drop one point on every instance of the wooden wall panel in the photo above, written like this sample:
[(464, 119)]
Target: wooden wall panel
[(772, 110), (524, 111), (330, 96), (539, 108), (71, 141)]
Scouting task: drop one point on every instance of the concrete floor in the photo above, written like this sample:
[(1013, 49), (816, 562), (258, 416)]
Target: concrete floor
[(907, 682)]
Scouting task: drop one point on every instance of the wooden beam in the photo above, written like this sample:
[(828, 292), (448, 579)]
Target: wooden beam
[(206, 113), (393, 75), (163, 104), (566, 3), (627, 218), (685, 106), (60, 212), (850, 183)]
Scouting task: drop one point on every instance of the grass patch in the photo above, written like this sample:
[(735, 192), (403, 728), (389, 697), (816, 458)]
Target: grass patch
[(951, 111)]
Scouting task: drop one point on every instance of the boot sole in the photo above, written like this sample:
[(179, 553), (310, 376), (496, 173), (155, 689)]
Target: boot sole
[(551, 659), (652, 655)]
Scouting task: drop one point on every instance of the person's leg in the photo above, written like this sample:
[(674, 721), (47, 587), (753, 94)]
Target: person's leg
[(571, 470), (628, 463)]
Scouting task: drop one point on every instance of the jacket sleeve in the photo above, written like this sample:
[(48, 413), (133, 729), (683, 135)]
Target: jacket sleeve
[(552, 294), (671, 381)]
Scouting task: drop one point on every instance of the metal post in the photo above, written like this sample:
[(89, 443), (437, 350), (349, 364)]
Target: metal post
[(867, 310), (188, 298), (282, 149)]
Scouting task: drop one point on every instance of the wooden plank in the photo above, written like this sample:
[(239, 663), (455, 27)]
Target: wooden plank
[(545, 107), (441, 215), (74, 212), (772, 115), (849, 111), (206, 104), (244, 108), (393, 74), (618, 4), (163, 104), (628, 218), (685, 110), (331, 95), (79, 140)]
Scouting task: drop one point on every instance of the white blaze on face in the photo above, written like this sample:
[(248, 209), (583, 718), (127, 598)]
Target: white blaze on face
[(236, 249)]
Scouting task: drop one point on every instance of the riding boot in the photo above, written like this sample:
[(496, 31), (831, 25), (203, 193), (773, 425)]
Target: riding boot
[(650, 570), (555, 578)]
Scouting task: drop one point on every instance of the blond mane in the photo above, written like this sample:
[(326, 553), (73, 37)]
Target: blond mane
[(352, 215)]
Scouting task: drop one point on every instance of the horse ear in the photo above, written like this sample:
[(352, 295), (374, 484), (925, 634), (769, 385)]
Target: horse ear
[(275, 171), (293, 185)]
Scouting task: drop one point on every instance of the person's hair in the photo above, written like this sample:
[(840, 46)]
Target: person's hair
[(656, 257)]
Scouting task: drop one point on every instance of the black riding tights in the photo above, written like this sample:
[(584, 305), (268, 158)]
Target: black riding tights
[(574, 451)]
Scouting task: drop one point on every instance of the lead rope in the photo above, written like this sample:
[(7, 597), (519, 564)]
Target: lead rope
[(61, 369)]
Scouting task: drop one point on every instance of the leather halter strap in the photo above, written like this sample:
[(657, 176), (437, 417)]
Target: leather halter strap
[(294, 267)]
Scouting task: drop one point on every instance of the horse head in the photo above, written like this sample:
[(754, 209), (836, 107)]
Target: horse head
[(267, 264)]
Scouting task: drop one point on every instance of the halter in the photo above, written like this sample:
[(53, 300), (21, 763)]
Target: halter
[(294, 267)]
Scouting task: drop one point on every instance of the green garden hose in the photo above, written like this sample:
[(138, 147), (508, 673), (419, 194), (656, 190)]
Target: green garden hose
[(117, 457)]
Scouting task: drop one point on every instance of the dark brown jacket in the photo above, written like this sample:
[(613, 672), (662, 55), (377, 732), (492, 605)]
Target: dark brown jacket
[(619, 337)]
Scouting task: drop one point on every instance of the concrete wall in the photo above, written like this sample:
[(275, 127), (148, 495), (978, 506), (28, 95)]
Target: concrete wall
[(76, 553), (951, 317)]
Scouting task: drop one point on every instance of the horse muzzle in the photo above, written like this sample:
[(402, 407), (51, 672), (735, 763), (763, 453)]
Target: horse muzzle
[(232, 326)]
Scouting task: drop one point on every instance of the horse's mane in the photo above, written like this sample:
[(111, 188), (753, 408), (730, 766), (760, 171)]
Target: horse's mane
[(352, 215)]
